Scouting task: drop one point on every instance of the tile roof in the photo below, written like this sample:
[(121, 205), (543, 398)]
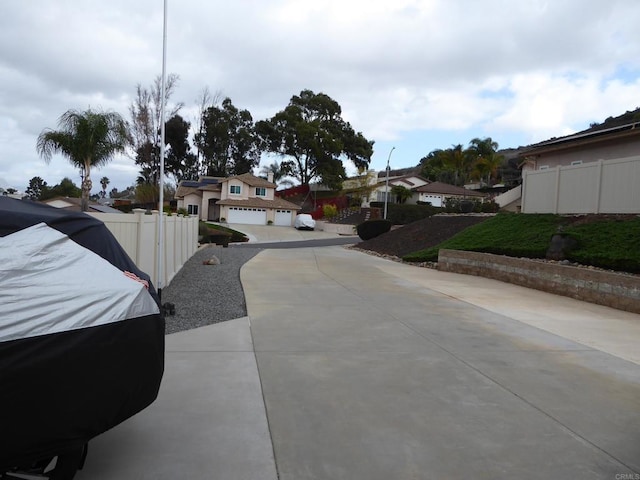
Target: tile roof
[(447, 189), (253, 181)]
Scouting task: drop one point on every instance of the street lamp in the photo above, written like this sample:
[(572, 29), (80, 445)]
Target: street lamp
[(160, 240), (386, 184)]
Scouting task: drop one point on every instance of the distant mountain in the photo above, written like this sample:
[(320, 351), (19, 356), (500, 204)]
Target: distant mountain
[(626, 118)]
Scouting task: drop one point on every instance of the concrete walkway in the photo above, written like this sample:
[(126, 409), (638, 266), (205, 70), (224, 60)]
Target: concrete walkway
[(350, 366)]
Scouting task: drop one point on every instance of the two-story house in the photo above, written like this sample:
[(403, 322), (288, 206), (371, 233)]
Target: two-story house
[(244, 199)]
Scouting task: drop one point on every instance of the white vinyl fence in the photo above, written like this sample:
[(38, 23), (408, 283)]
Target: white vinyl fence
[(138, 234), (611, 186)]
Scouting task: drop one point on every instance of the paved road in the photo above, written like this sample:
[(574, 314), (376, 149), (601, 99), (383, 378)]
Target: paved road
[(368, 373), (351, 367), (320, 242)]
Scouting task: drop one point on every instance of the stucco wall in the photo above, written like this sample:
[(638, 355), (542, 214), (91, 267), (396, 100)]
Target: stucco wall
[(595, 286)]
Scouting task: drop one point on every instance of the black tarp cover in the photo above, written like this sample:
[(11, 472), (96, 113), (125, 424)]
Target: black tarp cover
[(81, 342)]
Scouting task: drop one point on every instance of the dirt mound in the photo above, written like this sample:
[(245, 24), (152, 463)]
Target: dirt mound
[(419, 235)]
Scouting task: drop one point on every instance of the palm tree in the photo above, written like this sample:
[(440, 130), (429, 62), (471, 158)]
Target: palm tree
[(279, 173), (401, 193), (104, 183), (457, 160), (88, 139), (485, 159)]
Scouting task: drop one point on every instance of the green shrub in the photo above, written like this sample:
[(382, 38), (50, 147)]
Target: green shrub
[(372, 228), (329, 211)]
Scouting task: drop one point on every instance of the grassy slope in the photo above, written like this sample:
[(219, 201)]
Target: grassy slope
[(606, 243)]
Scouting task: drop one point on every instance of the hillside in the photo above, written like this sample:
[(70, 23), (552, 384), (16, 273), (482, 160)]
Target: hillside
[(421, 234), (602, 241)]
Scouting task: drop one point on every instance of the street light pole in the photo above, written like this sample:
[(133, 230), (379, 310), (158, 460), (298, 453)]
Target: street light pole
[(160, 245), (386, 184)]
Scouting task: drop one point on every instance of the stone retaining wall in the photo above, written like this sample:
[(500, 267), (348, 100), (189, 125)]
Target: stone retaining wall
[(339, 228), (604, 288)]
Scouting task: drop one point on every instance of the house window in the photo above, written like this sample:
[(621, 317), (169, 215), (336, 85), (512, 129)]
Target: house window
[(576, 162), (543, 167), (234, 189), (380, 195), (192, 209), (261, 192)]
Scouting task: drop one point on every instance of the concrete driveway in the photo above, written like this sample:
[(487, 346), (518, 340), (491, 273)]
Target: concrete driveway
[(273, 233), (353, 367)]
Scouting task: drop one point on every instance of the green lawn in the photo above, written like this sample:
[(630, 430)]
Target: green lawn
[(611, 244)]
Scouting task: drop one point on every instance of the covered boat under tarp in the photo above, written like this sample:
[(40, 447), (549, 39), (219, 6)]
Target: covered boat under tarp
[(81, 334)]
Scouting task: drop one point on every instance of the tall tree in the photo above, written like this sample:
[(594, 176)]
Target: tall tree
[(37, 187), (180, 161), (88, 139), (228, 141), (66, 188), (312, 135), (205, 100), (457, 161), (104, 183), (485, 159), (146, 113)]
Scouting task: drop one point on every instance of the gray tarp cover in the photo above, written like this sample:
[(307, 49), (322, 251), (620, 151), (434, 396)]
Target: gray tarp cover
[(50, 284)]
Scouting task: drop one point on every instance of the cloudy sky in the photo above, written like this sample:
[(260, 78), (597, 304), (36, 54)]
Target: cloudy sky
[(411, 74)]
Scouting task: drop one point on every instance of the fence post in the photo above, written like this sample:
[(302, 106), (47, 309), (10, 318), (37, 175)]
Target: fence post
[(599, 185), (138, 212), (557, 190), (523, 192)]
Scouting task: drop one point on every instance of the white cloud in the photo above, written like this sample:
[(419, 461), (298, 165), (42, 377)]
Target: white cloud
[(528, 69)]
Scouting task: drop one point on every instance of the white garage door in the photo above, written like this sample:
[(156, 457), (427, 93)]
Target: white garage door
[(283, 218), (248, 216)]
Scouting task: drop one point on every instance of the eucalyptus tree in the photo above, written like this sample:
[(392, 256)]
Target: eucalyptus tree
[(88, 139), (180, 161), (313, 138), (227, 140)]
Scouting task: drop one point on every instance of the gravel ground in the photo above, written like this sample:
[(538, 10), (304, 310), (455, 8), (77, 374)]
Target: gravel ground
[(207, 294)]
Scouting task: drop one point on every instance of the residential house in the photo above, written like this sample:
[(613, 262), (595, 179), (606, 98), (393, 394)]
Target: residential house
[(244, 199), (382, 186), (611, 140), (75, 204), (422, 189), (437, 194), (593, 171)]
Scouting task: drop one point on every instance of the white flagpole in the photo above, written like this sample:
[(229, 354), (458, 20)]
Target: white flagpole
[(162, 152)]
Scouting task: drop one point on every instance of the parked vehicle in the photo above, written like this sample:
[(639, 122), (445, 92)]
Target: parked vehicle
[(81, 338), (304, 221)]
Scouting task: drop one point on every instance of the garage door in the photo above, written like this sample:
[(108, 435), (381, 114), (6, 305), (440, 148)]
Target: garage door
[(246, 215), (283, 218)]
